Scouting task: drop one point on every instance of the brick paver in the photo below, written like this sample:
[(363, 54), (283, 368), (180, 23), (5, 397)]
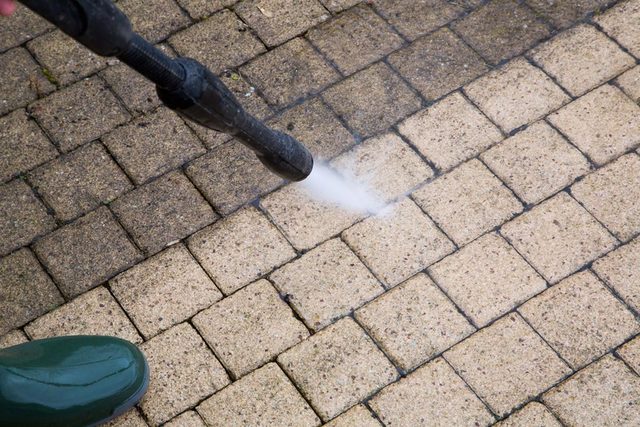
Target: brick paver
[(498, 284)]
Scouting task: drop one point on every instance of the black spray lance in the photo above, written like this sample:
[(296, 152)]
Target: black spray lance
[(183, 84)]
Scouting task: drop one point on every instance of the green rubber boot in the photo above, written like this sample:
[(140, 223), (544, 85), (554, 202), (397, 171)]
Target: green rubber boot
[(70, 381)]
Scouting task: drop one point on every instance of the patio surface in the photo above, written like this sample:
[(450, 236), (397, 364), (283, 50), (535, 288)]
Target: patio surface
[(503, 287)]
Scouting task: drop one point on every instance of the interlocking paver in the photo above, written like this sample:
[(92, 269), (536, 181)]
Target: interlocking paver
[(79, 181), (358, 416), (337, 367), (558, 237), (630, 83), (532, 414), (23, 25), (219, 42), (352, 99), (603, 123), (12, 338), (385, 164), (413, 322), (199, 9), (620, 269), (132, 418), (290, 72), (22, 80), (164, 290), (93, 313), (263, 398), (603, 394), (355, 39), (630, 352), (22, 216), (580, 318), (336, 6), (23, 145), (154, 20), (163, 211), (313, 124), (611, 195), (240, 248), (432, 395), (86, 252), (65, 60), (79, 113), (621, 23), (487, 278), (138, 94), (26, 291), (536, 162), (186, 419), (564, 13), (326, 283), (438, 63), (450, 132), (277, 21), (467, 201), (416, 18), (501, 29), (582, 58), (183, 372), (399, 243), (516, 94), (507, 363), (153, 144), (250, 328)]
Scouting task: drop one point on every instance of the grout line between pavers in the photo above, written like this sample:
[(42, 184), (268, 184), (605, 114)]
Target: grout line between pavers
[(300, 391), (373, 413), (455, 304), (544, 340), (613, 291), (107, 286), (618, 241)]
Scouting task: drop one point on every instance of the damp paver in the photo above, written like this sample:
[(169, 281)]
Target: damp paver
[(629, 82), (507, 363), (154, 292), (558, 237), (65, 60), (131, 418), (276, 21), (326, 283), (22, 216), (351, 99), (564, 13), (240, 249), (23, 145), (501, 29), (450, 131), (337, 367), (12, 338), (87, 252), (250, 328), (413, 322), (433, 392), (93, 313), (399, 243), (621, 23), (22, 82), (154, 21), (620, 269), (263, 398), (183, 372), (416, 18), (26, 291), (199, 9), (603, 123), (438, 63), (153, 144), (336, 6), (163, 211), (221, 41), (580, 318), (79, 181), (186, 419), (516, 94), (138, 94), (290, 72), (386, 164), (603, 394), (467, 201), (358, 416), (611, 195), (630, 353), (354, 39), (536, 162), (23, 26), (79, 113), (582, 58), (533, 413), (487, 278)]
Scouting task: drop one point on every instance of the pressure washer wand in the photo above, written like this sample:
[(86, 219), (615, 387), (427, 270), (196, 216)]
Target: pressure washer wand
[(183, 84)]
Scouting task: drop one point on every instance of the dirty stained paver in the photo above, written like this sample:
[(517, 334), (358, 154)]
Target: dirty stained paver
[(502, 286)]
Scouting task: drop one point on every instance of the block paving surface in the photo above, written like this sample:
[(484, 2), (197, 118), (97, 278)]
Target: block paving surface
[(498, 285)]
